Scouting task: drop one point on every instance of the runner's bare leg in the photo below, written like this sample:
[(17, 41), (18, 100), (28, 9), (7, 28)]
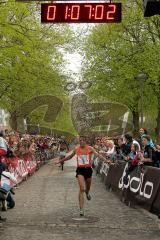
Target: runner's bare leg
[(88, 184), (81, 182)]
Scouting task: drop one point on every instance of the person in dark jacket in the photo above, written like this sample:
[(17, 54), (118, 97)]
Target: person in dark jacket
[(128, 144), (149, 154), (142, 133), (120, 149)]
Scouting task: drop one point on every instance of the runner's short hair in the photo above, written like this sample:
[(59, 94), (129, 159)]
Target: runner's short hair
[(83, 137)]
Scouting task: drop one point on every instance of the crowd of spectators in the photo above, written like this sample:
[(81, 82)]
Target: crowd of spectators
[(141, 150), (13, 146)]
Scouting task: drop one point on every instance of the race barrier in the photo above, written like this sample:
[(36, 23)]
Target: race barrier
[(22, 167), (142, 186)]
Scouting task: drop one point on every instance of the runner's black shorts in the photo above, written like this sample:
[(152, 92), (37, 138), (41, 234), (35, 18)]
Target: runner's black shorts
[(85, 172)]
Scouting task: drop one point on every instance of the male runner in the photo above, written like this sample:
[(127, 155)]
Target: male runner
[(84, 169)]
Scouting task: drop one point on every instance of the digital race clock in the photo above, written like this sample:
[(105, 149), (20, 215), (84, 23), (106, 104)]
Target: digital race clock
[(81, 12)]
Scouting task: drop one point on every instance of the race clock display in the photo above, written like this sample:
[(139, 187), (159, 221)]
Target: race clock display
[(81, 12)]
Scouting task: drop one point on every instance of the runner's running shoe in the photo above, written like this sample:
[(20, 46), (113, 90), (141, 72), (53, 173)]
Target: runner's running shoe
[(88, 196), (81, 213)]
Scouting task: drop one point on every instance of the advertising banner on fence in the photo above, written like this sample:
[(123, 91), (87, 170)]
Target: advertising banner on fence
[(156, 203), (21, 168), (142, 185), (114, 174)]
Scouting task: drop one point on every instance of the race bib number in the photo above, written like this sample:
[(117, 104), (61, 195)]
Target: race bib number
[(83, 160)]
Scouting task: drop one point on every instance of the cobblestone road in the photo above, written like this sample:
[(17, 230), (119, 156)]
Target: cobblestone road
[(47, 208)]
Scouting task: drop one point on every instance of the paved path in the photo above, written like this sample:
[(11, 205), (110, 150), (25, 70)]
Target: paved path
[(47, 209)]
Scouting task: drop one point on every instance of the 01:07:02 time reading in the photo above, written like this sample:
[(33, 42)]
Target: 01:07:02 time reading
[(80, 12)]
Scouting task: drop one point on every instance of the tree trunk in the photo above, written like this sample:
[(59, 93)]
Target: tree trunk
[(13, 121), (135, 121), (157, 129)]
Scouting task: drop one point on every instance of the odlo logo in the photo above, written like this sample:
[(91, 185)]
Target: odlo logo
[(137, 184)]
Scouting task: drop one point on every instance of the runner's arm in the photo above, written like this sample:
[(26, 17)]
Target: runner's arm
[(68, 157), (97, 154)]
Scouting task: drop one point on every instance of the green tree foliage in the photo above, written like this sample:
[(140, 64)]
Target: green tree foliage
[(31, 60), (116, 53)]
